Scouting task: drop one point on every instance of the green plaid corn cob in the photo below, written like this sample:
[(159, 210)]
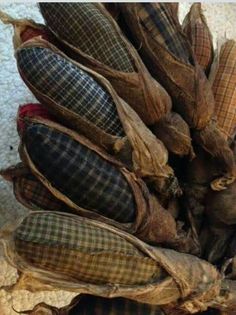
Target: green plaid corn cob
[(81, 251), (84, 26)]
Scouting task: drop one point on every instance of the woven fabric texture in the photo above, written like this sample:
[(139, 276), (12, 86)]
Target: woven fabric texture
[(90, 305), (36, 194), (84, 26), (80, 173), (82, 251), (224, 88), (69, 86), (157, 19)]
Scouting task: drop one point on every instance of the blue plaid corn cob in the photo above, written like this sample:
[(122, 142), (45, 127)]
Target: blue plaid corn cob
[(84, 26), (81, 251), (69, 86), (80, 173)]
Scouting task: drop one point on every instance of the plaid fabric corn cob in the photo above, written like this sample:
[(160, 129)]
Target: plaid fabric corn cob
[(82, 251), (69, 86), (84, 26), (80, 173), (196, 29), (157, 18), (30, 191), (224, 88)]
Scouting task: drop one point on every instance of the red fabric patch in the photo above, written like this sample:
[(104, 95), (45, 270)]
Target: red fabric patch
[(31, 32), (31, 110)]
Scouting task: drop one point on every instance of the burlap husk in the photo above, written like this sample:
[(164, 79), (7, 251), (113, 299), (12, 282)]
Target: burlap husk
[(189, 88), (152, 223), (140, 149), (192, 287)]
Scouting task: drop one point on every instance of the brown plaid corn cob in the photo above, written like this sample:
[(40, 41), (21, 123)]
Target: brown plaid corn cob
[(82, 252), (223, 79), (195, 27)]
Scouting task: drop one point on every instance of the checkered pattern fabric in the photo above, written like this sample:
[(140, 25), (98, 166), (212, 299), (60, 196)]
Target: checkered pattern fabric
[(69, 86), (224, 88), (37, 195), (82, 251), (201, 43), (158, 20), (80, 173), (90, 305), (84, 26)]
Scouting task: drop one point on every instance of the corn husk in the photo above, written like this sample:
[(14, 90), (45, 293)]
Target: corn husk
[(188, 86), (196, 28)]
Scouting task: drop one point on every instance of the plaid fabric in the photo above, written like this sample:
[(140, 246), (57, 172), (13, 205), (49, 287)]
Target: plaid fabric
[(85, 27), (224, 88), (69, 86), (81, 251), (91, 305), (158, 20), (80, 173), (37, 195)]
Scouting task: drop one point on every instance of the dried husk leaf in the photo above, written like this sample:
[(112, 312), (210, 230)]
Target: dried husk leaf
[(188, 86), (174, 132), (196, 28), (223, 80), (197, 284), (147, 97)]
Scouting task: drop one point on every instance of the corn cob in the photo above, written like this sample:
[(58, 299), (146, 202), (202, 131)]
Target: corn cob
[(195, 27), (80, 173), (69, 86), (82, 252), (223, 79)]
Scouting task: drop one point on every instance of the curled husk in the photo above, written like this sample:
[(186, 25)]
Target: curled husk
[(174, 132), (198, 276), (187, 84), (196, 28)]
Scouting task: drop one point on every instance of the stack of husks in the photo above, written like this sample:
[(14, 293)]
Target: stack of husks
[(128, 162)]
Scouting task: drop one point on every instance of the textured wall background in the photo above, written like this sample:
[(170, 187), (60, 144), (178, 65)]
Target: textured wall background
[(221, 20)]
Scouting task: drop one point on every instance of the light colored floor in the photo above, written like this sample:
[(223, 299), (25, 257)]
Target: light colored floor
[(221, 19)]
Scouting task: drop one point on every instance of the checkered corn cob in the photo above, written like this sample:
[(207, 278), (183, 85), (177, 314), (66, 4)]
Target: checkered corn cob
[(195, 27), (80, 173), (224, 88), (69, 86), (85, 27), (82, 251)]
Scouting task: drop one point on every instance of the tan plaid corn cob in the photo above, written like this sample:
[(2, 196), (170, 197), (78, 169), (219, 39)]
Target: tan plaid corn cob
[(85, 253), (224, 87)]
